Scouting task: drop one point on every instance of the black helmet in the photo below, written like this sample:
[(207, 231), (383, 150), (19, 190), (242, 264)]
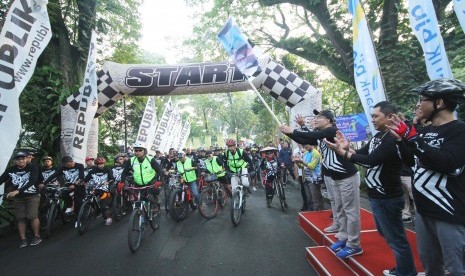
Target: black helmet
[(200, 149), (443, 88)]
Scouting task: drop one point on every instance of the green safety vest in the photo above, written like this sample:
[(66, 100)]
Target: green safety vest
[(143, 172), (189, 176), (235, 162), (213, 167)]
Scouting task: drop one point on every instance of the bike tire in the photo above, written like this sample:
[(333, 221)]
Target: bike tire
[(280, 194), (208, 206), (84, 216), (274, 191), (51, 217), (135, 230), (117, 206), (236, 212), (155, 221), (178, 207)]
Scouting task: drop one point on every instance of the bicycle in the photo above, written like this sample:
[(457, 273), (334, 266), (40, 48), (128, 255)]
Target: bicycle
[(56, 208), (238, 200), (278, 189), (144, 209), (179, 199), (90, 208), (211, 197), (121, 203), (6, 214)]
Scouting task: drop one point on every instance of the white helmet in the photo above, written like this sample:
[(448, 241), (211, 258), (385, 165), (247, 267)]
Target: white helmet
[(139, 145)]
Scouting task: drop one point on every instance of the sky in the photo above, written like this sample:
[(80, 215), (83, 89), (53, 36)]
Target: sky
[(164, 23)]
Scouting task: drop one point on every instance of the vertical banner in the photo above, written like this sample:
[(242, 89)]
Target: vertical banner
[(148, 125), (425, 26), (166, 143), (186, 130), (459, 7), (176, 132), (87, 106), (162, 127), (25, 34), (367, 75)]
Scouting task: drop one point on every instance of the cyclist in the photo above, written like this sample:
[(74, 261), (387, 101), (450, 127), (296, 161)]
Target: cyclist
[(24, 178), (118, 168), (271, 165), (45, 172), (200, 159), (102, 176), (185, 166), (215, 166), (237, 162), (145, 169)]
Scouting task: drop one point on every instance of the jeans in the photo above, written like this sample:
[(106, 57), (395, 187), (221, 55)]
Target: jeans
[(194, 190), (388, 219), (441, 246)]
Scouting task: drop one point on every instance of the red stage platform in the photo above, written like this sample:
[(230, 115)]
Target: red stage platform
[(376, 257)]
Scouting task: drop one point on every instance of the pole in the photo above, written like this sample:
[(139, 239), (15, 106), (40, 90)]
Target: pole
[(263, 101), (125, 127)]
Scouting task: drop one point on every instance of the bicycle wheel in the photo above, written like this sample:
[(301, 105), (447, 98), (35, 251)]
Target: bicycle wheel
[(135, 230), (51, 217), (236, 211), (177, 205), (155, 220), (274, 190), (84, 217), (221, 197), (208, 206), (280, 194), (117, 206)]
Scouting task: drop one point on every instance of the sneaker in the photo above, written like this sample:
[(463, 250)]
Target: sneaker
[(22, 244), (347, 252), (407, 220), (36, 241), (254, 189), (338, 245), (108, 221), (68, 211), (333, 228), (268, 203), (285, 204), (390, 272)]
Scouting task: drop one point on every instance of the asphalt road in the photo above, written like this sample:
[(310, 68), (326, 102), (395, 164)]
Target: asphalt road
[(266, 242)]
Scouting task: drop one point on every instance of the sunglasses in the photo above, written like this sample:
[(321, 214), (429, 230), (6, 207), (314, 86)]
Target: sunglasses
[(136, 150)]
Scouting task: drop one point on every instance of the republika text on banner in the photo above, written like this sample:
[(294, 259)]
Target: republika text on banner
[(186, 130), (367, 75), (148, 125), (239, 49), (87, 106), (425, 26), (162, 128), (166, 143), (25, 34), (459, 7)]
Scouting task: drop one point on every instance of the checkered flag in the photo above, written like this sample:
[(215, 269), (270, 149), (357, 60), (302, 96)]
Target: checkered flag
[(73, 100), (284, 85), (108, 94)]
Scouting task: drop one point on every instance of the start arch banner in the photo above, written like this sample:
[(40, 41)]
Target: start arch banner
[(116, 81)]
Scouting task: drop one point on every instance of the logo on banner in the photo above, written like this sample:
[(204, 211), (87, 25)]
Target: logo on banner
[(354, 127)]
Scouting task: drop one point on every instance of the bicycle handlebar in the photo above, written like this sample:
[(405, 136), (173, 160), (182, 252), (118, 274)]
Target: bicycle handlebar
[(140, 188)]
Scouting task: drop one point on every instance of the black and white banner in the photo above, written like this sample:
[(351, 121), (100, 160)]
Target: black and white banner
[(87, 107), (162, 129), (186, 130), (24, 36), (148, 125)]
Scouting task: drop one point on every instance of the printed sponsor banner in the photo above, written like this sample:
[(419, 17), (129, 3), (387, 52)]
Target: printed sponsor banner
[(238, 48), (87, 107), (162, 128), (367, 75), (459, 7), (25, 34), (186, 130), (148, 125), (166, 141), (176, 133), (355, 127), (425, 26)]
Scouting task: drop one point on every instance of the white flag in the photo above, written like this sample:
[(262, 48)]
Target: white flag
[(367, 76), (184, 135), (169, 138), (87, 106), (176, 132), (24, 36), (459, 7), (425, 26), (148, 125), (162, 127)]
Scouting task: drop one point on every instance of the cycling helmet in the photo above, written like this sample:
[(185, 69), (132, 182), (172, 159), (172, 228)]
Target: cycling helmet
[(230, 142), (200, 149), (453, 90), (181, 154), (88, 158), (100, 161), (139, 145)]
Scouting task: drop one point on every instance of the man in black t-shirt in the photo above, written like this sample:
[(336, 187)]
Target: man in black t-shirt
[(438, 188), (385, 191), (339, 175)]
